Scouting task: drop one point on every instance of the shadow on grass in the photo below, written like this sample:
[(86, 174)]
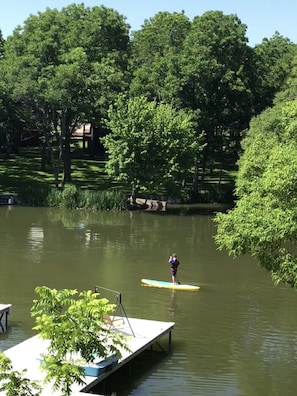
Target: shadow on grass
[(19, 172)]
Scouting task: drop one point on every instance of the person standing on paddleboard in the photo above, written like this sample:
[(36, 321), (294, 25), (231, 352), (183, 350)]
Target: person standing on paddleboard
[(174, 263)]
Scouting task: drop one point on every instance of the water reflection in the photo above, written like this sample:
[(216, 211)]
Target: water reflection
[(172, 306), (236, 336), (35, 243)]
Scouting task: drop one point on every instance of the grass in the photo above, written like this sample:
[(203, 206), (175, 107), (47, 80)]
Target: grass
[(21, 175), (23, 170)]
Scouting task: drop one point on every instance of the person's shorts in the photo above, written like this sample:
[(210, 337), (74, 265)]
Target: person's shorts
[(173, 271)]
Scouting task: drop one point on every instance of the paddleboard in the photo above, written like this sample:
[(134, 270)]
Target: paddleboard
[(168, 285)]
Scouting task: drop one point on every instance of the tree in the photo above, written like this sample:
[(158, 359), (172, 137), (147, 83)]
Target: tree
[(2, 41), (155, 57), (9, 122), (14, 382), (63, 68), (289, 89), (264, 220), (150, 145), (273, 58), (76, 331), (216, 79), (207, 66)]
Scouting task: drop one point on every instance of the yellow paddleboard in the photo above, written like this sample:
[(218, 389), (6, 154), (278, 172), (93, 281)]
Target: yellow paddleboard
[(168, 285)]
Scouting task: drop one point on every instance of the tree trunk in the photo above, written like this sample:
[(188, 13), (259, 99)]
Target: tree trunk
[(66, 161), (66, 154), (54, 163), (43, 157), (196, 178)]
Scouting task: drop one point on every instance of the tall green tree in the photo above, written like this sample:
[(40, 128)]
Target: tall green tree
[(10, 124), (206, 66), (2, 95), (151, 145), (63, 68), (273, 63), (2, 41), (264, 220), (216, 79), (155, 57)]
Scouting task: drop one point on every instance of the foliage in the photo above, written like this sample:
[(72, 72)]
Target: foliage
[(91, 188), (206, 66), (69, 196), (151, 145), (9, 122), (289, 88), (264, 221), (273, 59), (103, 200), (73, 198), (33, 196), (155, 57), (56, 78), (74, 325), (216, 66), (217, 193), (15, 383), (2, 41), (63, 68), (20, 176)]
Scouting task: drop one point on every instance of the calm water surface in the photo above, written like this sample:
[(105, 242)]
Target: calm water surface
[(236, 336)]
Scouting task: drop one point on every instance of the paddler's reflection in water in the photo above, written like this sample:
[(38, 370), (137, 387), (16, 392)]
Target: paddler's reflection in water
[(173, 306)]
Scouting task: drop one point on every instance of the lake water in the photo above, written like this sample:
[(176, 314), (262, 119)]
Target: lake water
[(236, 336)]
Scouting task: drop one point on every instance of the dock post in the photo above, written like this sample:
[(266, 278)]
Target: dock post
[(4, 312)]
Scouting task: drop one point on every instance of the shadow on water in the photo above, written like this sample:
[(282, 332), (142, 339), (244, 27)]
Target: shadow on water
[(197, 209), (123, 383)]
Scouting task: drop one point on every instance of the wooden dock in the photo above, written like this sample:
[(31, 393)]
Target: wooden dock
[(142, 334), (148, 204), (4, 312)]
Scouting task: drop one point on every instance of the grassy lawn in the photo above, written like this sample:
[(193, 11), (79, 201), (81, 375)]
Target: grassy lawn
[(23, 170)]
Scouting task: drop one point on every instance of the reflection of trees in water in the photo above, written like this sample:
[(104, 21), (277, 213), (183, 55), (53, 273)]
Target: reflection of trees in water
[(136, 229), (265, 347), (270, 359), (238, 330), (35, 243), (172, 306), (126, 230), (13, 335), (73, 218)]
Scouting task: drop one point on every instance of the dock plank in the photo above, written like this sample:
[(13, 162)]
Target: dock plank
[(145, 333)]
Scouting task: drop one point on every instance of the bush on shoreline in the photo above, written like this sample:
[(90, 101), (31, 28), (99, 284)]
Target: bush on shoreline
[(21, 177), (72, 197)]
